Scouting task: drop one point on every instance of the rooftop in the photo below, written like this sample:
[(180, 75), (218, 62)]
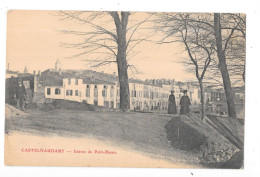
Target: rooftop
[(11, 72), (53, 78)]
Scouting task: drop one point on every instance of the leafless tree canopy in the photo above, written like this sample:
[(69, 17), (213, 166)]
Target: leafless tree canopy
[(194, 36), (197, 40), (109, 38), (233, 31), (214, 41), (99, 43)]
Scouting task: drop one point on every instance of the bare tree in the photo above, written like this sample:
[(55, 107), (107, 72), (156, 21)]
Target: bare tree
[(194, 37), (108, 39), (229, 31), (235, 58), (233, 32), (226, 27)]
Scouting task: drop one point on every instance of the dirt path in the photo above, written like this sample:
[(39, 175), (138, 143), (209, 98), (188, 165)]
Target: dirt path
[(76, 153), (138, 132)]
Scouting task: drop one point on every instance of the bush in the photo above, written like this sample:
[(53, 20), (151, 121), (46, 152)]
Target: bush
[(73, 105)]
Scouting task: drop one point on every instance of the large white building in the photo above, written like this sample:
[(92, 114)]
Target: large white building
[(94, 92), (102, 89), (105, 92)]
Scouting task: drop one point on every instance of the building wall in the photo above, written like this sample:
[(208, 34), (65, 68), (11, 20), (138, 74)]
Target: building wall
[(148, 97), (104, 96), (98, 94), (73, 87), (52, 94), (142, 96)]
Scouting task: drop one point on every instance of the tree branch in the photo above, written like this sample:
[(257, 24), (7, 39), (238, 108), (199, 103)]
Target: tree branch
[(92, 24)]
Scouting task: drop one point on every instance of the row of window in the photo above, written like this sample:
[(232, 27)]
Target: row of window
[(77, 93), (76, 81), (88, 86), (104, 92), (147, 94), (70, 93), (105, 86), (134, 93), (57, 91)]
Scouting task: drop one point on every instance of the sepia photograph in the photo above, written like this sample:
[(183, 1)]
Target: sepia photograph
[(125, 89)]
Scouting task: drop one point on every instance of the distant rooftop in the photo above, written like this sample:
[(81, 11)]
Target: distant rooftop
[(11, 72), (53, 78)]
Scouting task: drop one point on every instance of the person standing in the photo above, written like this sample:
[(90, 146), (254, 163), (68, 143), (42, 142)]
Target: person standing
[(20, 96), (172, 104), (185, 103)]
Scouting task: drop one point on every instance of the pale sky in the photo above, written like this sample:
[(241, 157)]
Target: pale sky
[(34, 40)]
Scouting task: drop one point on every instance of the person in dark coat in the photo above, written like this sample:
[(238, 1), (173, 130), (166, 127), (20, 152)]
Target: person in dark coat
[(185, 103), (20, 96), (172, 104)]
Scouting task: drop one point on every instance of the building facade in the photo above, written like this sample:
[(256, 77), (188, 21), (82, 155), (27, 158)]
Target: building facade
[(144, 96), (76, 89)]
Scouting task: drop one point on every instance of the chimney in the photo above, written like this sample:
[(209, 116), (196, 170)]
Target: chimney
[(59, 71), (39, 72), (36, 81), (8, 65)]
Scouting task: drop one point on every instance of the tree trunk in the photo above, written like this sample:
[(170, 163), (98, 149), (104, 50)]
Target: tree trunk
[(223, 67), (243, 75), (202, 100), (123, 79), (122, 65)]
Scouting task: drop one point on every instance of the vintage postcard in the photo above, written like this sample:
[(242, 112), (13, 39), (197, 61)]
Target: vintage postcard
[(125, 89)]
